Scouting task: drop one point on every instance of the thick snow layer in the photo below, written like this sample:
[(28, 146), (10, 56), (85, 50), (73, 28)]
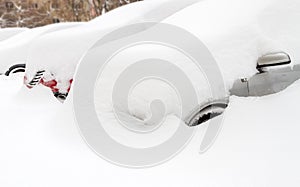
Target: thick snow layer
[(74, 43), (255, 31), (9, 32), (258, 145), (237, 33), (15, 49), (236, 42), (41, 146)]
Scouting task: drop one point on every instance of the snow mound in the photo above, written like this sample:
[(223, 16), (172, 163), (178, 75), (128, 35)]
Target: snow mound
[(14, 50), (9, 32), (236, 42), (258, 134)]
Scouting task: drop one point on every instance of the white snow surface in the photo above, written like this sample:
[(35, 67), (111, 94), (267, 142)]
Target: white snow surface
[(259, 28), (236, 42), (258, 145), (41, 146), (237, 33), (9, 32), (75, 42), (14, 50)]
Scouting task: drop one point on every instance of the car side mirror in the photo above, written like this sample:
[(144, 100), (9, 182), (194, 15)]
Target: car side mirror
[(273, 60)]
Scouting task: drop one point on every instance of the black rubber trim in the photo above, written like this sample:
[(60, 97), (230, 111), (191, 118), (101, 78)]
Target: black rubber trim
[(207, 117), (19, 71), (17, 66)]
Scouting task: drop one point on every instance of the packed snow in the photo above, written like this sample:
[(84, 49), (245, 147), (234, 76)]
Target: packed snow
[(258, 145), (236, 42), (14, 50), (9, 32), (41, 146)]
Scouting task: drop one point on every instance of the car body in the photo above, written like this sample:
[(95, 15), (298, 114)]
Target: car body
[(236, 42), (75, 42)]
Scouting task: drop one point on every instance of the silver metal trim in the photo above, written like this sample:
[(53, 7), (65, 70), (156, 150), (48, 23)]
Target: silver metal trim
[(214, 108)]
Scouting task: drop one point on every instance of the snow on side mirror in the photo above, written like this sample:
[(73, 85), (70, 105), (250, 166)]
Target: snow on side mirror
[(206, 112), (273, 60)]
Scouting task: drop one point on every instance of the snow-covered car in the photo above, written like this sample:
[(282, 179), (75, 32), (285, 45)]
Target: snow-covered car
[(14, 50), (65, 48), (259, 141), (9, 32), (239, 35)]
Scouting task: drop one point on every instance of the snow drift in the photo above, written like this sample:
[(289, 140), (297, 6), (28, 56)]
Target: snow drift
[(236, 42), (14, 50), (9, 32), (259, 144)]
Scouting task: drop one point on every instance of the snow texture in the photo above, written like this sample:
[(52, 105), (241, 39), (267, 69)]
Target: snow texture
[(259, 143), (14, 50), (41, 146), (9, 32)]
